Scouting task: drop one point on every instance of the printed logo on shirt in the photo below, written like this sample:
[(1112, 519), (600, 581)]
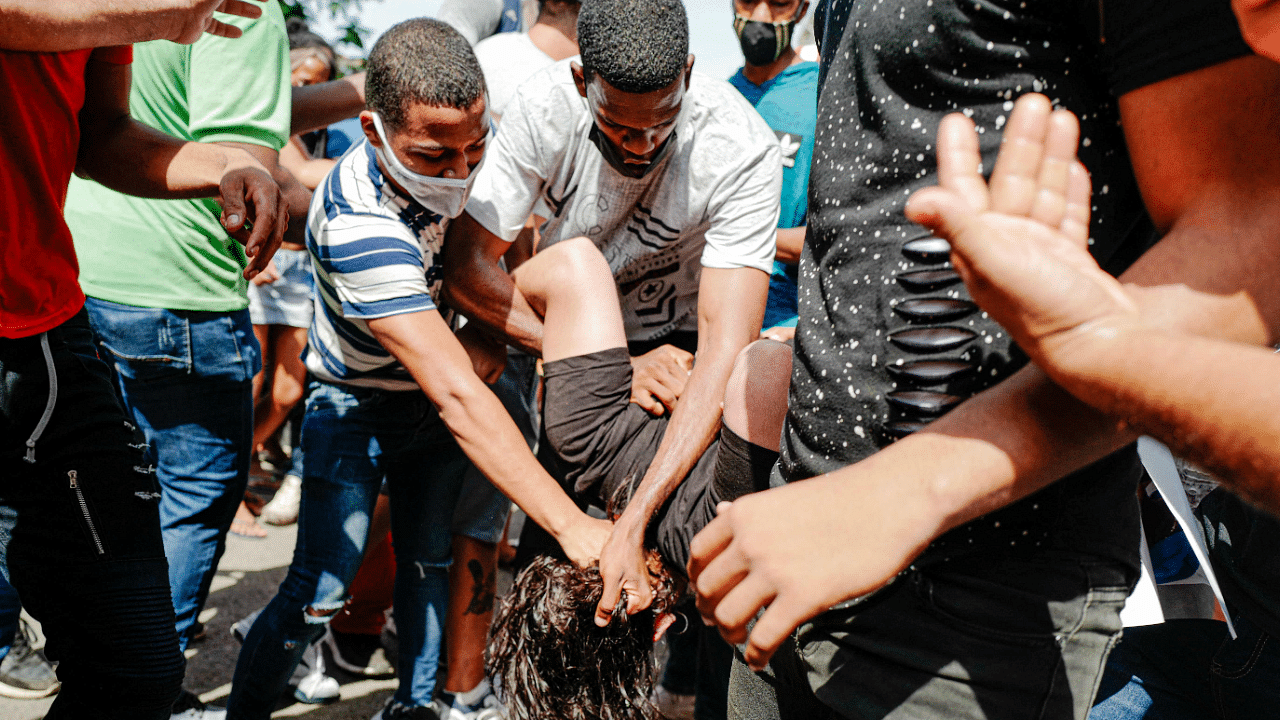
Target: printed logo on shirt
[(790, 144)]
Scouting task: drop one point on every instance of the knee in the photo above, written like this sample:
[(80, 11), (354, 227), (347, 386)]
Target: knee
[(577, 261), (755, 400)]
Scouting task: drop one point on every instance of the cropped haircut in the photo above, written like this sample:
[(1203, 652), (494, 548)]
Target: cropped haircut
[(549, 659), (637, 46), (421, 61)]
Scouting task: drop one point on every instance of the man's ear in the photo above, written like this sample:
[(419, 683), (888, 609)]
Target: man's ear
[(688, 71), (579, 77), (370, 132)]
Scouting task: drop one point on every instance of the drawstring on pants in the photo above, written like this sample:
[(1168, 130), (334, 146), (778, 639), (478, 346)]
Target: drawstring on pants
[(48, 407)]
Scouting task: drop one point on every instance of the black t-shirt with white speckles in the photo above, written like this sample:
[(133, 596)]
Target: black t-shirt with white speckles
[(888, 338)]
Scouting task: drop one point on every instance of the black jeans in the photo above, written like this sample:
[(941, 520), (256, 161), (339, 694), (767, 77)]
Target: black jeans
[(981, 639), (80, 530)]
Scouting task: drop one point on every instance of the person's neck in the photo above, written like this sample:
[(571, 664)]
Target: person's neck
[(761, 74), (553, 39)]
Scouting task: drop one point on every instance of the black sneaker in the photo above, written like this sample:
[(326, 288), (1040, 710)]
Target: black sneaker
[(358, 654), (396, 711), (25, 673)]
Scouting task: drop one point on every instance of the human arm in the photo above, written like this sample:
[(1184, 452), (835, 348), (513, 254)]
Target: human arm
[(423, 343), (790, 243), (309, 171), (322, 104), (1203, 151), (477, 286), (43, 26), (730, 308), (130, 157)]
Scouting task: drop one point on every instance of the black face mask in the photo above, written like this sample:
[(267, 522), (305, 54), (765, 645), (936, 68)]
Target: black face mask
[(762, 42), (614, 157)]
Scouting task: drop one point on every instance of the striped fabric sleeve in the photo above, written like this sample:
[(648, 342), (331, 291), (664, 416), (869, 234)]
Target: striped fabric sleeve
[(371, 267)]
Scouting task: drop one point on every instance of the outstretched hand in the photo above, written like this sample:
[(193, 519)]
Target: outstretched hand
[(250, 197), (199, 19), (1020, 242)]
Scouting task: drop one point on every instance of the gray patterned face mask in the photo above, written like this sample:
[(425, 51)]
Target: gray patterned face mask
[(446, 197), (762, 42)]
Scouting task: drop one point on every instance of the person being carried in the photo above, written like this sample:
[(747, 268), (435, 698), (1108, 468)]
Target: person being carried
[(396, 393), (547, 653)]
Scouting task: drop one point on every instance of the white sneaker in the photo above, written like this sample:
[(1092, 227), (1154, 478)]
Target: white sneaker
[(317, 687), (283, 508), (189, 707)]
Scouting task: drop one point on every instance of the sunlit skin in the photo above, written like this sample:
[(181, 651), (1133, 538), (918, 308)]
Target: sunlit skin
[(636, 123), (1260, 23), (310, 71), (441, 142)]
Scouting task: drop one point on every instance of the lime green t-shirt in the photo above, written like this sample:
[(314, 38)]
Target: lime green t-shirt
[(174, 253)]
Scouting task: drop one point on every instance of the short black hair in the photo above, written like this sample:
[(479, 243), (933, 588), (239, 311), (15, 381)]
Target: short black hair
[(637, 46), (423, 61)]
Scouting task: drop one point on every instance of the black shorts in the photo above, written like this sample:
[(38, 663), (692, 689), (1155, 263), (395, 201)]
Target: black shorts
[(604, 444)]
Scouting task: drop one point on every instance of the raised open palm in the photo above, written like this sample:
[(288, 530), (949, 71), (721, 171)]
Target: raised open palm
[(1021, 241)]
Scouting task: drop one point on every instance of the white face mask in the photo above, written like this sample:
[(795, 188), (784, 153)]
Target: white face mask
[(443, 196)]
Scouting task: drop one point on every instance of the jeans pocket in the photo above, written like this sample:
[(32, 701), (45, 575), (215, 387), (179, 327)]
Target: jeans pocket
[(143, 343), (989, 609)]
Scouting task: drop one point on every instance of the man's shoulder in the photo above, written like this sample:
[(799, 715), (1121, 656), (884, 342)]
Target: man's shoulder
[(498, 47), (351, 193), (720, 118)]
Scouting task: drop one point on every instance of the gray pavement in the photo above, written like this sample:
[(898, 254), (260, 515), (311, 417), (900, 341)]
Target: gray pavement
[(248, 576)]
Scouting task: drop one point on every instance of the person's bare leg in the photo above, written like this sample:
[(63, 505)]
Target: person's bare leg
[(755, 399), (571, 285), (287, 378), (472, 585)]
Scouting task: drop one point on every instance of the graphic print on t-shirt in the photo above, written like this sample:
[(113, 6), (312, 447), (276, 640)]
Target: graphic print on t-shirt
[(790, 144), (711, 201)]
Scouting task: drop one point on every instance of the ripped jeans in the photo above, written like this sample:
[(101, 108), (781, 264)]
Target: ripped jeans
[(354, 437)]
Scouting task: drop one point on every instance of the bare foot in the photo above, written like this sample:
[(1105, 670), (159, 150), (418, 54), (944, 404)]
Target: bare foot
[(245, 524)]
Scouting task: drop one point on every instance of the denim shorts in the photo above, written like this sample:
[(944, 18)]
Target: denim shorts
[(289, 300)]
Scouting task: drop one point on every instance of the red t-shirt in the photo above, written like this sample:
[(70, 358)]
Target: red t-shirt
[(40, 99)]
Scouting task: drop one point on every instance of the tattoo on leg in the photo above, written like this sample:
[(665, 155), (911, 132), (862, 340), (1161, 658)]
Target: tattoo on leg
[(482, 589)]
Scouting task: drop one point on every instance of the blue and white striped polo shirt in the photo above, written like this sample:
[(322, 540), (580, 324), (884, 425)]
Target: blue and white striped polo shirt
[(375, 254)]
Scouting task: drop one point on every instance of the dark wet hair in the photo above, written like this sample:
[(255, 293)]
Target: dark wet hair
[(637, 46), (422, 61), (549, 659)]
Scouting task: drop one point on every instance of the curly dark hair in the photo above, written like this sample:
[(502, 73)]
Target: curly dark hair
[(549, 659), (425, 61), (637, 46)]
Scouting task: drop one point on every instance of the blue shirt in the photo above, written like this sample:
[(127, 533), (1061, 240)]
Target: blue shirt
[(789, 104)]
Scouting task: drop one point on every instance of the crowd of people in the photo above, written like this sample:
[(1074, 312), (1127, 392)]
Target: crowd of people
[(844, 358)]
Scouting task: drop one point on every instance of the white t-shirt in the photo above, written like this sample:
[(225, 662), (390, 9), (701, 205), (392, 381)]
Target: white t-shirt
[(712, 201), (508, 59)]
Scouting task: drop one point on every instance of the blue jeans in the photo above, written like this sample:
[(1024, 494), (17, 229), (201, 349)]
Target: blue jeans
[(353, 437), (10, 609), (85, 555), (1191, 670), (186, 378)]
